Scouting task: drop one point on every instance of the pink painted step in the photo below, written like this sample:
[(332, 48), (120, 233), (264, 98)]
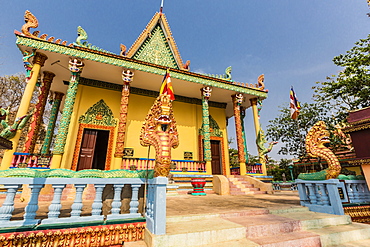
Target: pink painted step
[(301, 239), (238, 186), (266, 225), (276, 231)]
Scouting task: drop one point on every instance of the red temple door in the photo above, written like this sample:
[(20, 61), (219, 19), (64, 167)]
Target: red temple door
[(87, 150), (216, 157)]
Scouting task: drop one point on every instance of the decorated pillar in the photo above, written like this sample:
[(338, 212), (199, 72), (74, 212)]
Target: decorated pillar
[(75, 66), (32, 73), (257, 127), (39, 112), (127, 77), (58, 96), (242, 116), (237, 101), (206, 94)]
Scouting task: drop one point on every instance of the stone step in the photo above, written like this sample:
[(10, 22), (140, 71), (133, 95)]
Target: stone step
[(311, 220), (232, 185), (289, 210), (239, 193), (195, 217), (235, 243), (335, 235), (135, 244), (301, 239), (245, 189), (197, 233), (266, 225), (359, 243)]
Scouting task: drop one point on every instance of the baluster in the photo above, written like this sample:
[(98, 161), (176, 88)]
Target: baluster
[(14, 160), (77, 204), (360, 190), (97, 205), (116, 204), (318, 193), (349, 192), (55, 206), (7, 208), (134, 204), (32, 207), (311, 195), (324, 195), (19, 160), (149, 203), (366, 192), (356, 196), (28, 158)]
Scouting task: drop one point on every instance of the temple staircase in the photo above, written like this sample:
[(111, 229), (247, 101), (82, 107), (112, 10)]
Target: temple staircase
[(261, 227), (238, 186)]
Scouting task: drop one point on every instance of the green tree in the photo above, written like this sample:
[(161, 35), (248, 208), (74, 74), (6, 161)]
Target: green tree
[(291, 133), (350, 88)]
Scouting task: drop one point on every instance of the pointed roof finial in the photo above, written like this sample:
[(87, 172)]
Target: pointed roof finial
[(161, 8)]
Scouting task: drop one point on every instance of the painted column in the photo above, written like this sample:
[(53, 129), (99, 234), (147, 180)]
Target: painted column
[(257, 128), (237, 101), (58, 96), (75, 66), (32, 76), (38, 114), (242, 116), (127, 77), (206, 94)]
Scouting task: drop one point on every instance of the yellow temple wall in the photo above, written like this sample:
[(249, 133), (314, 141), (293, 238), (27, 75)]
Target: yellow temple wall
[(86, 97), (188, 118)]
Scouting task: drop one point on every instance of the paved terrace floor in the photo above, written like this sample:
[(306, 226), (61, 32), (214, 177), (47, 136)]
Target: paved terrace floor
[(213, 203), (185, 204)]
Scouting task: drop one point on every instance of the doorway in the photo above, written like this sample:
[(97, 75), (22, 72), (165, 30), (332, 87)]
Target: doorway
[(93, 151), (216, 157)]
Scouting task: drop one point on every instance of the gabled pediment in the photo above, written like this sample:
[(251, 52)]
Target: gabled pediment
[(156, 45)]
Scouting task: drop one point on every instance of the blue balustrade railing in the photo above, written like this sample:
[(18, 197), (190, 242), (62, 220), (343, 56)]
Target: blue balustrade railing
[(156, 201), (328, 196)]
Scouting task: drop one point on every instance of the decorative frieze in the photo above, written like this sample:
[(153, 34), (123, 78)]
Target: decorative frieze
[(117, 60)]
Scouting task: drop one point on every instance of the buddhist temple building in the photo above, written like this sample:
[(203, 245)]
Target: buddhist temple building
[(359, 129), (101, 100)]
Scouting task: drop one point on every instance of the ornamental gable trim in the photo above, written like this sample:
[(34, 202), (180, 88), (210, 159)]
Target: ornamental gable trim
[(156, 44), (99, 114)]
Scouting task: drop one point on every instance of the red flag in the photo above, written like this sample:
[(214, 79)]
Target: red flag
[(166, 87)]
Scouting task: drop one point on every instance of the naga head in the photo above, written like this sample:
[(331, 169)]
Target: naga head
[(317, 137), (163, 118)]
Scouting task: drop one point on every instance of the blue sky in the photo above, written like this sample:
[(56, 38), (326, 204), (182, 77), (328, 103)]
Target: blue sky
[(291, 42)]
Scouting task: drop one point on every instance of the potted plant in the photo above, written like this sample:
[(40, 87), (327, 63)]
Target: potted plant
[(184, 169)]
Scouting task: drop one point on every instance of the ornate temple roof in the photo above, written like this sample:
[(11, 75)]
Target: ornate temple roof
[(155, 42), (156, 45)]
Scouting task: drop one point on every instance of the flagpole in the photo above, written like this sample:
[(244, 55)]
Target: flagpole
[(161, 8)]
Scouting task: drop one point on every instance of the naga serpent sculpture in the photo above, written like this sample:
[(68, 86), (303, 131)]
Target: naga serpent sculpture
[(316, 138), (9, 131), (30, 22), (261, 141), (159, 130)]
